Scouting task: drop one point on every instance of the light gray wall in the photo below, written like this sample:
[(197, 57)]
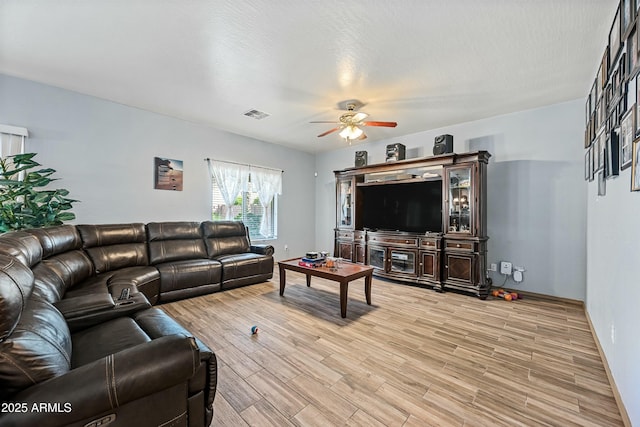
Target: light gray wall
[(536, 193), (613, 282), (103, 153)]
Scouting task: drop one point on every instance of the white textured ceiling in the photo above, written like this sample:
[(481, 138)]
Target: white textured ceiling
[(423, 63)]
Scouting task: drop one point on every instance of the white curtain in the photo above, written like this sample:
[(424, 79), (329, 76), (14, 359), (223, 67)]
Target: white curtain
[(231, 179), (12, 140), (267, 183)]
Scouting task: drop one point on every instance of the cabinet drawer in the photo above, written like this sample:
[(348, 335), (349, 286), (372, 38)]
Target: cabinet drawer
[(346, 235), (358, 236), (427, 243), (460, 245), (397, 240)]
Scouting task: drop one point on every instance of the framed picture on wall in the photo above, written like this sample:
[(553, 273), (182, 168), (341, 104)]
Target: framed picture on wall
[(168, 174), (632, 51), (596, 152), (599, 85), (602, 184), (604, 66), (614, 36), (628, 11), (593, 163), (587, 165), (602, 145), (627, 128), (612, 165), (626, 153), (635, 166), (587, 111)]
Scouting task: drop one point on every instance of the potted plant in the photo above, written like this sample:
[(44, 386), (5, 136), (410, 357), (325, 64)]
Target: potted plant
[(23, 201)]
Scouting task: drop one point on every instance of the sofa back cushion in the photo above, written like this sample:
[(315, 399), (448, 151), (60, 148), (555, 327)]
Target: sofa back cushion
[(48, 285), (72, 267), (115, 246), (225, 237), (16, 284), (62, 257), (57, 239), (22, 245), (174, 241)]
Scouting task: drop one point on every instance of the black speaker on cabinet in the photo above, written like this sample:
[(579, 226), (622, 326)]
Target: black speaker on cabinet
[(395, 152), (361, 159), (443, 144)]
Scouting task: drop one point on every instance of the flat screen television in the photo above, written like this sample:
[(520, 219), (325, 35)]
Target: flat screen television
[(413, 207)]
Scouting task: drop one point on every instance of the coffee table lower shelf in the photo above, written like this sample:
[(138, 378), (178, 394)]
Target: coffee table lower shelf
[(346, 273)]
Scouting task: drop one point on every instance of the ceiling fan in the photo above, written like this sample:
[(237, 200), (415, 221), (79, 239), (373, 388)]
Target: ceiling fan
[(349, 124)]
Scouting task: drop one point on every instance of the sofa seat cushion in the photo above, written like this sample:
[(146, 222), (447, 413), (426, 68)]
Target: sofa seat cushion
[(244, 265), (188, 274), (104, 339)]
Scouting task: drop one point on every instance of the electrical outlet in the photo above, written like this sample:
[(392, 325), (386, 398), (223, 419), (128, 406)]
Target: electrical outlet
[(493, 267), (505, 268)]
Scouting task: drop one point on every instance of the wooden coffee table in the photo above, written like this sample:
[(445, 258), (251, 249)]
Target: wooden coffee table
[(345, 273)]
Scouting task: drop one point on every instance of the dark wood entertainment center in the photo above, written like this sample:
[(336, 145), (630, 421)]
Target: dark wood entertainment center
[(448, 254)]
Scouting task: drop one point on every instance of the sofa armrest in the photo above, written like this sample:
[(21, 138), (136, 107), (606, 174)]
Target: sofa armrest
[(84, 311), (262, 249), (106, 384)]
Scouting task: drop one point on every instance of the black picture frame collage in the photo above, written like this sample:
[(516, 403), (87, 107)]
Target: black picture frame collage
[(612, 110)]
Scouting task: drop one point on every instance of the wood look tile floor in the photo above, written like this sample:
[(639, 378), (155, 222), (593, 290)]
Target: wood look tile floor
[(414, 357)]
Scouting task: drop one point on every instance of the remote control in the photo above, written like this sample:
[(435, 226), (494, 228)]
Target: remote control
[(124, 294)]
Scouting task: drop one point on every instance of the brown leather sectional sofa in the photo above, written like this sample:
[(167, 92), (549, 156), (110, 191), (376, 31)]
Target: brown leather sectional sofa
[(81, 344)]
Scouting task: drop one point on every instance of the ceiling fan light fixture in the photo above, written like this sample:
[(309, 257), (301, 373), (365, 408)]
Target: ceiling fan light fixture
[(351, 132)]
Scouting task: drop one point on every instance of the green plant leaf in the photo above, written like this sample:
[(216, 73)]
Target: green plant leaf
[(24, 203)]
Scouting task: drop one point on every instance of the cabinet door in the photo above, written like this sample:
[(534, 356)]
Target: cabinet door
[(459, 268), (377, 257), (459, 201), (360, 254), (344, 205), (430, 265), (345, 250), (403, 261)]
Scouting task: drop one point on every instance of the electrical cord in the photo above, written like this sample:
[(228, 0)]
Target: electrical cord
[(506, 277)]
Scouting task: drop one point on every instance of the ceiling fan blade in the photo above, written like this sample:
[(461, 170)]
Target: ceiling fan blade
[(328, 132), (383, 124), (325, 121), (363, 136)]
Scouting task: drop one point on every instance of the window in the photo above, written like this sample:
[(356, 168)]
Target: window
[(246, 208), (248, 194), (12, 140)]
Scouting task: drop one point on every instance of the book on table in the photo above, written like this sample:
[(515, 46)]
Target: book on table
[(311, 262)]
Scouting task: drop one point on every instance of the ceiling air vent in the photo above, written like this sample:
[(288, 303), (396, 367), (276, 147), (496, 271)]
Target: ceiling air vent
[(257, 114)]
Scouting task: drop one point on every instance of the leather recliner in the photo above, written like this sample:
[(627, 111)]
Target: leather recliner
[(142, 369)]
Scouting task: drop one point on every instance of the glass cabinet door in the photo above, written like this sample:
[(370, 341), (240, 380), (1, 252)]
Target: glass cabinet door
[(376, 257), (459, 200), (344, 205), (403, 261)]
